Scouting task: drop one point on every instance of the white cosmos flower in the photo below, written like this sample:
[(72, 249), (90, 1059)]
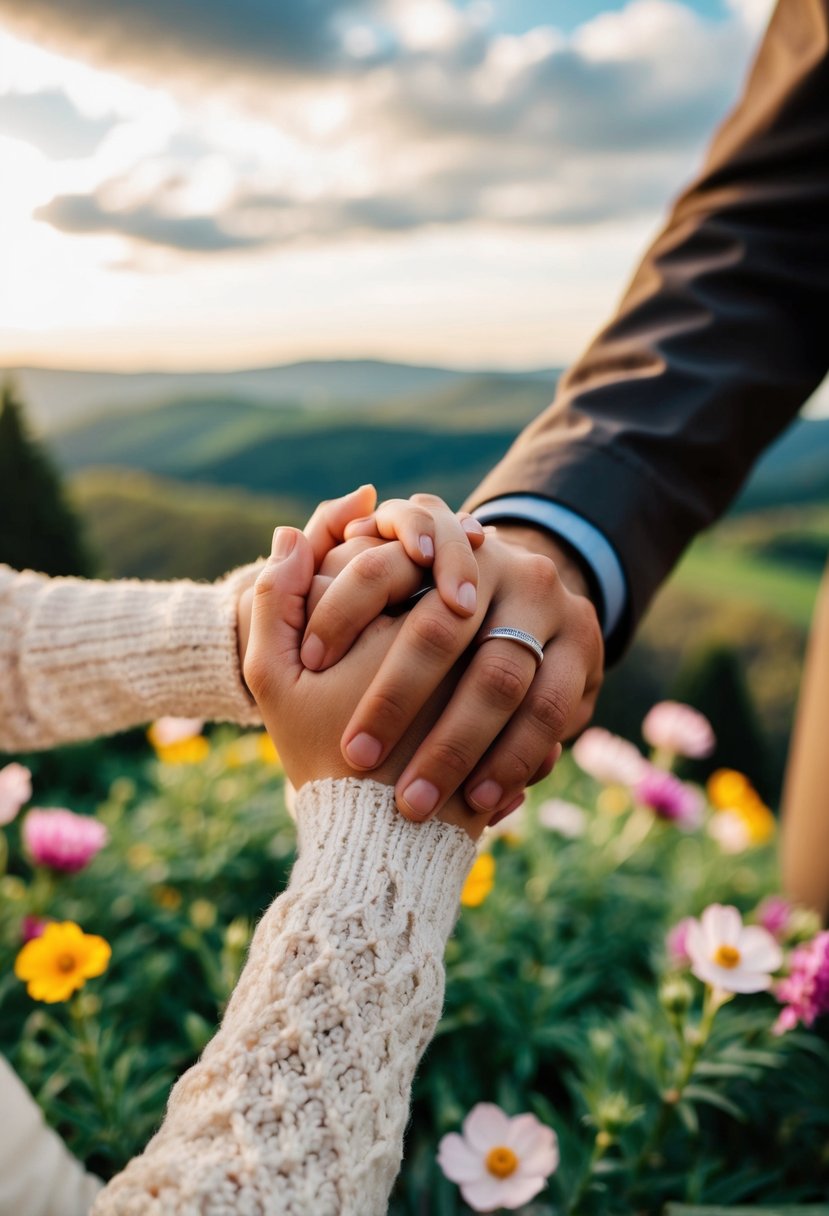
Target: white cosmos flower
[(730, 955), (563, 817), (499, 1162)]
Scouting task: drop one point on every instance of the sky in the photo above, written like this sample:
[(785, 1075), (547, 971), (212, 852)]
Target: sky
[(229, 183)]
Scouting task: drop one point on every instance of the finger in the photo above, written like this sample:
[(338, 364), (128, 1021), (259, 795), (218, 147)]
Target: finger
[(429, 644), (431, 534), (491, 690), (326, 527), (513, 806), (375, 578), (547, 765), (278, 612), (319, 586), (546, 716), (474, 531)]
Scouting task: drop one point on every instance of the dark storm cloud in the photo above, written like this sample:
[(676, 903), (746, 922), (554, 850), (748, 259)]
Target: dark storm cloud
[(51, 122)]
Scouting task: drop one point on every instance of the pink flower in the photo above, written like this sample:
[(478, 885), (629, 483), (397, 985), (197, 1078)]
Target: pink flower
[(15, 790), (729, 955), (563, 817), (669, 798), (62, 840), (805, 990), (774, 914), (32, 927), (676, 942), (678, 729), (608, 758), (499, 1162)]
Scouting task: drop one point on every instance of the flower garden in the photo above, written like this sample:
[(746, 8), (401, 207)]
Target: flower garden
[(633, 1016)]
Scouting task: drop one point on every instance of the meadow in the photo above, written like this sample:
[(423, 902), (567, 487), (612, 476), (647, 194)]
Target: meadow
[(565, 997)]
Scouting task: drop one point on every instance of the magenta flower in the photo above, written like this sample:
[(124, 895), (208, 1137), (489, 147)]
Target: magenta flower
[(669, 798), (32, 927), (805, 990), (774, 914), (15, 790), (676, 942), (678, 730), (608, 758), (62, 840)]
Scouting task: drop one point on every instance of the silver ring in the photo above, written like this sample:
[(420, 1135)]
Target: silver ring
[(518, 635)]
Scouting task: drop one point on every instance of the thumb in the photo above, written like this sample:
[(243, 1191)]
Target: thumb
[(277, 621)]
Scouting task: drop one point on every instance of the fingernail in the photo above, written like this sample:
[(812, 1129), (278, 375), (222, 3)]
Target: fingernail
[(284, 540), (363, 751), (559, 748), (312, 652), (487, 795), (427, 546), (467, 596), (472, 525), (421, 797)]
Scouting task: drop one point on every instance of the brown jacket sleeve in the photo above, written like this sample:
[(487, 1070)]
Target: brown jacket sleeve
[(719, 339)]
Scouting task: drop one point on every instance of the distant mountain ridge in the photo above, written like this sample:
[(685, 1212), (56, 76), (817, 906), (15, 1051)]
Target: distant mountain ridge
[(57, 398)]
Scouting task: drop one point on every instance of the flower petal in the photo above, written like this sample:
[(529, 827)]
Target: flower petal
[(484, 1195), (758, 950), (486, 1126), (535, 1145), (520, 1189), (722, 925), (458, 1161)]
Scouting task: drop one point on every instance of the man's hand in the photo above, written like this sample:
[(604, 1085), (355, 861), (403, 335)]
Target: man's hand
[(501, 728)]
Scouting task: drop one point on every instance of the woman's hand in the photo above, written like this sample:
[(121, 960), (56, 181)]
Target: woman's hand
[(306, 712)]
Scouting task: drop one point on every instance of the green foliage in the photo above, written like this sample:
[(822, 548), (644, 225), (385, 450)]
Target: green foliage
[(145, 527), (711, 679), (558, 999), (38, 529)]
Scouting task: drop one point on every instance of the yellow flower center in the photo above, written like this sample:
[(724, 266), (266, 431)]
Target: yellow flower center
[(726, 956), (65, 963), (501, 1161)]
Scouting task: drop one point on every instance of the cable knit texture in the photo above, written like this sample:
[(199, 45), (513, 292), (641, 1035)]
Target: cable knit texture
[(80, 658), (299, 1103)]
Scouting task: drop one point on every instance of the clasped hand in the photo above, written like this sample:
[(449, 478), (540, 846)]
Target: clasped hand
[(417, 700)]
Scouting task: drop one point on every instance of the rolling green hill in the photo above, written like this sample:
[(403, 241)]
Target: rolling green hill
[(444, 441)]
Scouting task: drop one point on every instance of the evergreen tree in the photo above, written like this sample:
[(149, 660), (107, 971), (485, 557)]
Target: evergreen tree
[(38, 530), (712, 681)]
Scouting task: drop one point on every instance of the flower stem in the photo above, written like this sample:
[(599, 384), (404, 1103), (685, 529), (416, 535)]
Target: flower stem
[(691, 1051), (89, 1050)]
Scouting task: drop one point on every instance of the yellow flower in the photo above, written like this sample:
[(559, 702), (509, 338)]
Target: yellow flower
[(479, 882), (758, 819), (203, 914), (166, 897), (185, 751), (60, 961), (267, 749), (613, 800), (726, 788)]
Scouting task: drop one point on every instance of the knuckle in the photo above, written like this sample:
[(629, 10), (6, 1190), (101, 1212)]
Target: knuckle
[(550, 710), (514, 769), (543, 574), (450, 756), (430, 501), (371, 566), (434, 634), (503, 680), (266, 581), (388, 709)]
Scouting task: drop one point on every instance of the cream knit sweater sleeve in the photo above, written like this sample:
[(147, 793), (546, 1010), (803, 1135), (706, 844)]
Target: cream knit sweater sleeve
[(299, 1103), (81, 658)]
